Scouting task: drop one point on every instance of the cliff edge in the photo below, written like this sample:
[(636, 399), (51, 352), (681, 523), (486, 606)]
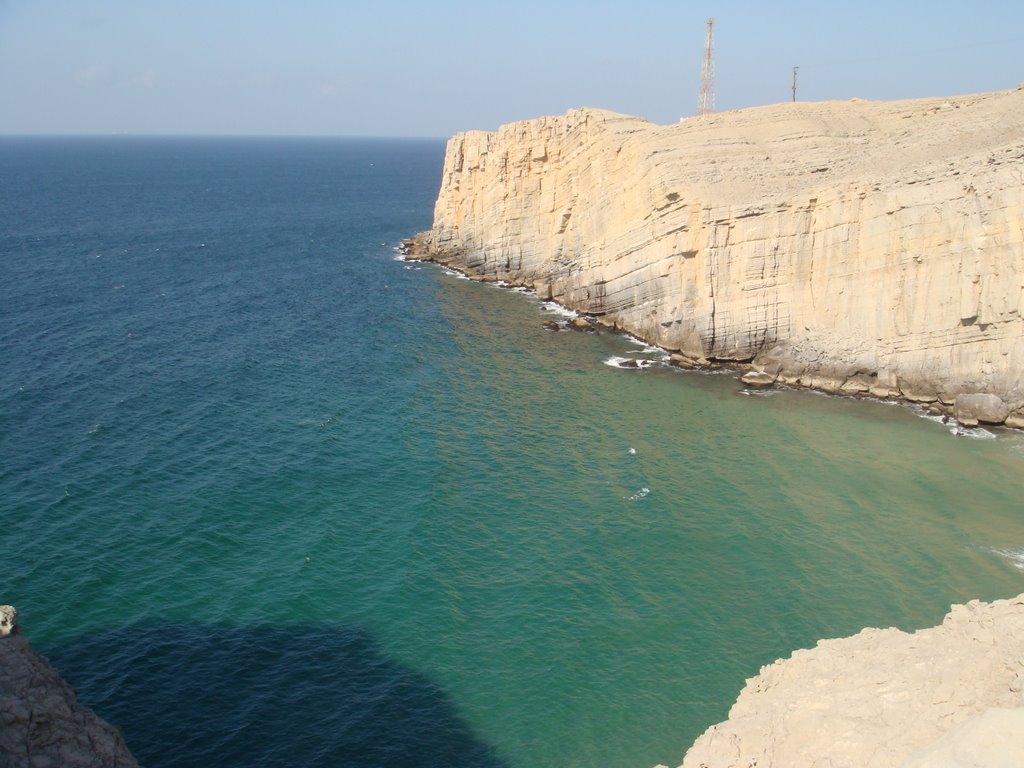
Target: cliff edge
[(951, 696), (42, 725), (857, 247)]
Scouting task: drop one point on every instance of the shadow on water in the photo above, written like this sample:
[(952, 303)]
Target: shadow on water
[(297, 696)]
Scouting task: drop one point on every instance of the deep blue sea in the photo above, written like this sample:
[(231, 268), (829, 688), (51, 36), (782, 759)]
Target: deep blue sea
[(271, 496)]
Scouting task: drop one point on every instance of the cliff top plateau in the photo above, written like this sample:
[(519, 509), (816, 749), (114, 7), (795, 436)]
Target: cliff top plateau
[(773, 153)]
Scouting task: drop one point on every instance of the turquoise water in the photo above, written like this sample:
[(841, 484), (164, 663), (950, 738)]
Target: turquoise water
[(270, 496)]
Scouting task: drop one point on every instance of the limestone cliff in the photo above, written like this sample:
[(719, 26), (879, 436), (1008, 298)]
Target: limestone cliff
[(860, 247), (42, 724), (951, 695)]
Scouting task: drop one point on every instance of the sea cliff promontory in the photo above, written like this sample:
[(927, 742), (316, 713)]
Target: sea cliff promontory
[(950, 695), (863, 248)]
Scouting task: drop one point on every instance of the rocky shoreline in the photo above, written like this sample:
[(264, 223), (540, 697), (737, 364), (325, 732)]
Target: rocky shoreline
[(968, 411), (868, 249)]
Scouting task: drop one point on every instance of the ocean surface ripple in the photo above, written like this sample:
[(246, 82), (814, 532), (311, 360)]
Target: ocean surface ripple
[(271, 498)]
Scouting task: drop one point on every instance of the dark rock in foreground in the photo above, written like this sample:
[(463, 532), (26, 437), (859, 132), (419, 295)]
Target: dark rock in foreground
[(42, 724)]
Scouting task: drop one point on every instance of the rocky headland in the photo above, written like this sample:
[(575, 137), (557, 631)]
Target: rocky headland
[(949, 696), (42, 724), (860, 248)]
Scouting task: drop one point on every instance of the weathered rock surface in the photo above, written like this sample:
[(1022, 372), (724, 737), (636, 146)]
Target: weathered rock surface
[(824, 242), (757, 379), (42, 725), (951, 695), (984, 407), (8, 620)]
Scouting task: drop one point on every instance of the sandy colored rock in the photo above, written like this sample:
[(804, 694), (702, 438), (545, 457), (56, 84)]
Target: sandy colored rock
[(885, 698), (863, 241), (993, 739), (984, 407), (757, 379)]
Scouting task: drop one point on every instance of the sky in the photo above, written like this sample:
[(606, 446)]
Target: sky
[(431, 69)]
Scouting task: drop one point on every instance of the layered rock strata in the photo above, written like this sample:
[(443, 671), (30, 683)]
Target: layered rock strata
[(855, 247), (951, 695), (42, 724)]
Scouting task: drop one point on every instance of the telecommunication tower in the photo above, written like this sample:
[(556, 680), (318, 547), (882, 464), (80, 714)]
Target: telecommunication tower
[(794, 82), (706, 104)]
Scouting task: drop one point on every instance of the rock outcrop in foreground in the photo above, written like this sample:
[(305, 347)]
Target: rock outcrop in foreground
[(951, 695), (42, 725), (854, 247)]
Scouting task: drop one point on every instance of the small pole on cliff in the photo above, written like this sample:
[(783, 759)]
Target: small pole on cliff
[(706, 103), (794, 82)]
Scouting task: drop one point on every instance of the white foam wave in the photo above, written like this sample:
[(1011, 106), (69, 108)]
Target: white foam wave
[(975, 433), (454, 273), (928, 416), (628, 362), (646, 348), (558, 309), (955, 428), (640, 494), (1015, 556)]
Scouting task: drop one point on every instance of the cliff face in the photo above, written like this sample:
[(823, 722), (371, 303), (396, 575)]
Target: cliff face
[(951, 695), (41, 722), (856, 246)]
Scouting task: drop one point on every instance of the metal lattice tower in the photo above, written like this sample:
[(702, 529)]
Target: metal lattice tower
[(706, 104)]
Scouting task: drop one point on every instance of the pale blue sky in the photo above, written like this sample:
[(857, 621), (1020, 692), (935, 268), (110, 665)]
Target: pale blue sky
[(402, 68)]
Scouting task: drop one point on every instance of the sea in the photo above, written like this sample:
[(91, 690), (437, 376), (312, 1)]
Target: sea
[(272, 496)]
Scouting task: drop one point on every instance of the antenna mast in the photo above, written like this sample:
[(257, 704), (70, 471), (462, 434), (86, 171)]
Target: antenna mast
[(794, 82), (706, 104)]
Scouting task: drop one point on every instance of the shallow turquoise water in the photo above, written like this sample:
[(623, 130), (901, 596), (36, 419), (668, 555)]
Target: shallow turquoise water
[(271, 496)]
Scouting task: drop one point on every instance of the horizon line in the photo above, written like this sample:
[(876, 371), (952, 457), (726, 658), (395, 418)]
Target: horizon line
[(141, 135)]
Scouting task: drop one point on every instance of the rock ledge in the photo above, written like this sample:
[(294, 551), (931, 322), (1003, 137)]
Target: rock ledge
[(951, 695)]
